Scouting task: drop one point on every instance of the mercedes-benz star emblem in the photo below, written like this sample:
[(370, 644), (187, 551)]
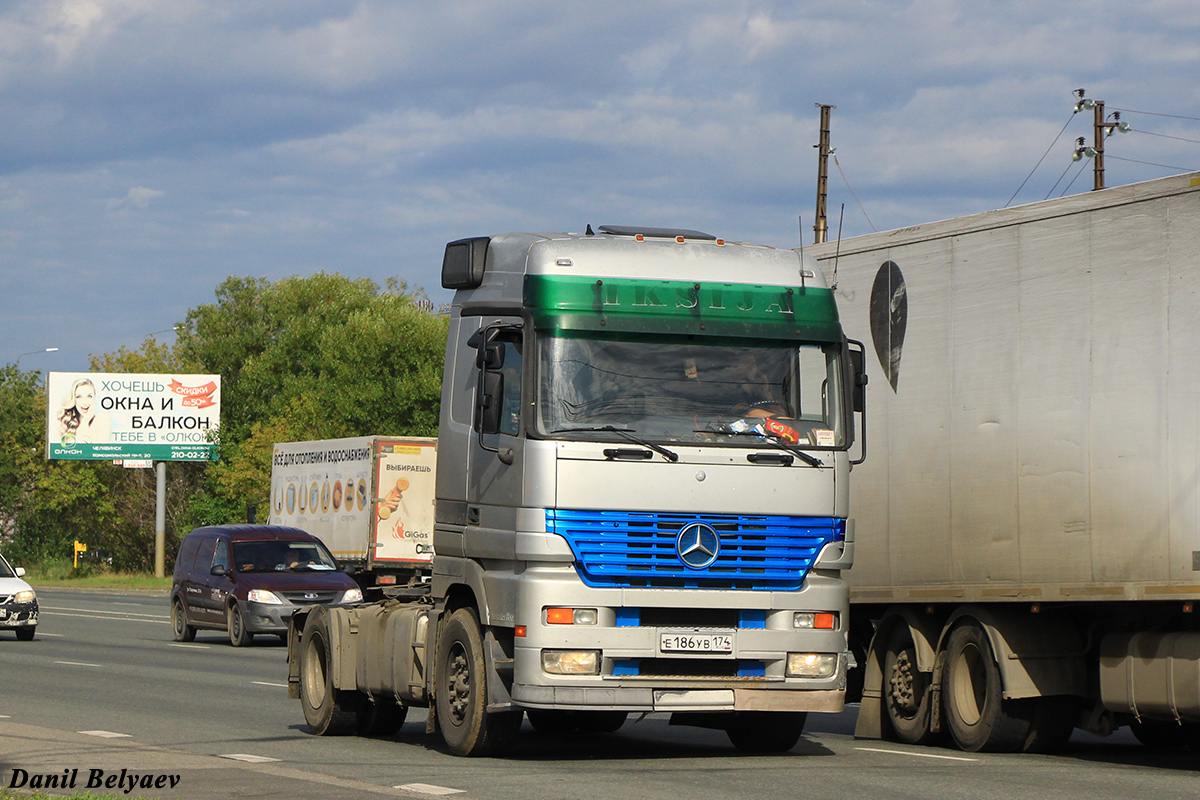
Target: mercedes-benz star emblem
[(697, 545)]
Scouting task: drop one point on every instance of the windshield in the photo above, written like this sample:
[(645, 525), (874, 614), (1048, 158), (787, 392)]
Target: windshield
[(276, 556), (686, 389), (5, 570)]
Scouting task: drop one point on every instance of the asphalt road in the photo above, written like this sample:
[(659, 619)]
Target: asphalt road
[(103, 687)]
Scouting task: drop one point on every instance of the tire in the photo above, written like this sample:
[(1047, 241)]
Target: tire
[(328, 711), (1163, 735), (1052, 724), (26, 634), (551, 721), (600, 721), (765, 731), (238, 635), (906, 690), (461, 692), (380, 718), (183, 632), (978, 717)]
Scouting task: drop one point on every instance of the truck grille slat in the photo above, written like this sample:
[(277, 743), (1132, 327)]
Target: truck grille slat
[(638, 549)]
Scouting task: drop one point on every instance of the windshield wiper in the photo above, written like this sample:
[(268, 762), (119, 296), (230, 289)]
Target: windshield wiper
[(776, 441), (627, 433)]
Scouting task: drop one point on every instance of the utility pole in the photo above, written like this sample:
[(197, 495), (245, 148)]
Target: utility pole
[(1101, 130), (1098, 137), (823, 152)]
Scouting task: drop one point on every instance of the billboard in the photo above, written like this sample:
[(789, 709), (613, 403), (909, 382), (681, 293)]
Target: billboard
[(111, 416)]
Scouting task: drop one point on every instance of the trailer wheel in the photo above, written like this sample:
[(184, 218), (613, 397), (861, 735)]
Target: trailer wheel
[(907, 694), (328, 711), (183, 632), (976, 713), (461, 694), (765, 731), (238, 635), (380, 717)]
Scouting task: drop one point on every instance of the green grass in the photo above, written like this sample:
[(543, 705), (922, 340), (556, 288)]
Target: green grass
[(62, 575)]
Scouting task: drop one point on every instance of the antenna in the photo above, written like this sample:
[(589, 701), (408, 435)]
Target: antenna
[(838, 252)]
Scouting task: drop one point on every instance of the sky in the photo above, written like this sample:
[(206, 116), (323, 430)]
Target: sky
[(150, 149)]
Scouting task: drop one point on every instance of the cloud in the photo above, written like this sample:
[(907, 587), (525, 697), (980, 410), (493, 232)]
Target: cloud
[(151, 149)]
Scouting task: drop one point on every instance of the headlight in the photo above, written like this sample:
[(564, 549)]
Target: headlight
[(26, 596), (263, 596), (571, 662), (352, 595), (811, 665)]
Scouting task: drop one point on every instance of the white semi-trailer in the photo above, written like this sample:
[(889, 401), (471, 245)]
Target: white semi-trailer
[(1028, 539), (641, 502)]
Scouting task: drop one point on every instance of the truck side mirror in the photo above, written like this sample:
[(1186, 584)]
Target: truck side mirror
[(859, 389), (488, 411)]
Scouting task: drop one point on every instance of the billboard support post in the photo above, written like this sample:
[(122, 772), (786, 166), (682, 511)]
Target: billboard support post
[(160, 521)]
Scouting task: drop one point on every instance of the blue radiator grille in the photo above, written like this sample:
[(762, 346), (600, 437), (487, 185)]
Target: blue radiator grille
[(637, 550)]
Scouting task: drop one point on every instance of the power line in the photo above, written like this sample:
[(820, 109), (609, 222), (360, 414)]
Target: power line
[(1156, 114), (1165, 136), (1060, 177), (1040, 160), (1152, 164), (1072, 183), (852, 194)]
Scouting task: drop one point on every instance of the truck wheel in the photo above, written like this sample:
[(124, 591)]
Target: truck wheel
[(380, 718), (551, 721), (906, 689), (1052, 725), (328, 711), (765, 731), (1163, 735), (976, 713), (179, 624), (26, 634), (600, 721), (238, 635), (461, 693)]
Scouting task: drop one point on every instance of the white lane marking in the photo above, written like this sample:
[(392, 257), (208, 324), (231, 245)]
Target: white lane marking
[(53, 635), (126, 618), (425, 788), (264, 683), (914, 755), (105, 734), (5, 716), (250, 759), (189, 646), (77, 664), (159, 615)]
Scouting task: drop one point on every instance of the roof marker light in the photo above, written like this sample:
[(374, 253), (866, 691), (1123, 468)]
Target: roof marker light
[(720, 242), (679, 239), (640, 238)]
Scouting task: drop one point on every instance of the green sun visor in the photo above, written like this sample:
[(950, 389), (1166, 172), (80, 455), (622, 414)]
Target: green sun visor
[(632, 305)]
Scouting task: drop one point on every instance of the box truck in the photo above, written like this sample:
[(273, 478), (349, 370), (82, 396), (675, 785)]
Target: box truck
[(640, 502), (370, 499), (1028, 534)]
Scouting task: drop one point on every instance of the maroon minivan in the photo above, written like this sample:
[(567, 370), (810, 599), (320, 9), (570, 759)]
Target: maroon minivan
[(249, 579)]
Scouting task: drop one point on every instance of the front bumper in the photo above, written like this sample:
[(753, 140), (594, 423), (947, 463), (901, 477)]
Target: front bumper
[(18, 615), (274, 617), (634, 672)]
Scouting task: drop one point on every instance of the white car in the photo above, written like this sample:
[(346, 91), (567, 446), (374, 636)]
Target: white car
[(18, 602)]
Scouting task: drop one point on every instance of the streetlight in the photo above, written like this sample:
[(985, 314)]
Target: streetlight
[(35, 352)]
